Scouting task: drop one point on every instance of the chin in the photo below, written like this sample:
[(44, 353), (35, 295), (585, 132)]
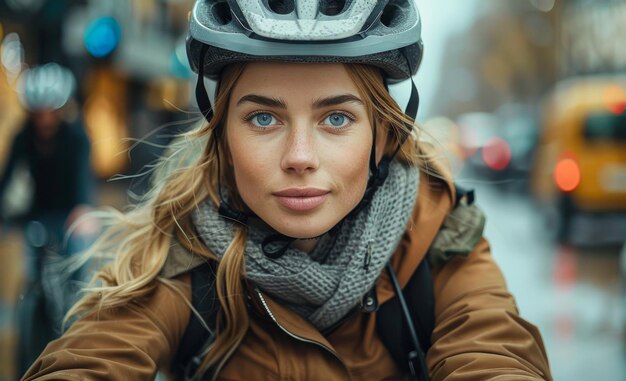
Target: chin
[(302, 228)]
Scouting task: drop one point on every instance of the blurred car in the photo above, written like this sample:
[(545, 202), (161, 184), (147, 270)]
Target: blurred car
[(519, 129), (580, 166), (500, 146)]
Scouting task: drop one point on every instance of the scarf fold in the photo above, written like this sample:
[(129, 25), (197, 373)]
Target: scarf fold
[(324, 285)]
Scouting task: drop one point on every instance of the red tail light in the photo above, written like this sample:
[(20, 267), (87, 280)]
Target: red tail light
[(496, 154), (618, 108), (567, 174)]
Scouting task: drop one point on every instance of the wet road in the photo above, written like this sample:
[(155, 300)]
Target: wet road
[(575, 296)]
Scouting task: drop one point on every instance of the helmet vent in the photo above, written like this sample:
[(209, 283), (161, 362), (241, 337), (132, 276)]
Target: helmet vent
[(221, 12), (332, 7), (390, 15), (282, 7)]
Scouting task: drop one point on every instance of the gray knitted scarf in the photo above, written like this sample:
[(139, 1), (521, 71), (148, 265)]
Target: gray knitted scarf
[(324, 285)]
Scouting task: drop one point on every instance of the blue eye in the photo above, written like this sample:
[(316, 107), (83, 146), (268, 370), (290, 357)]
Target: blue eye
[(263, 119), (337, 120)]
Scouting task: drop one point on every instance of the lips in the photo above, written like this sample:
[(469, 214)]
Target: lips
[(301, 199)]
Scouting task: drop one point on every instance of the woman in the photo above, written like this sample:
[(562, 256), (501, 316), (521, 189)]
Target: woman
[(311, 179)]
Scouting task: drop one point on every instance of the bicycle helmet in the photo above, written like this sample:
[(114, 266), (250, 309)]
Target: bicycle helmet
[(46, 88), (385, 34)]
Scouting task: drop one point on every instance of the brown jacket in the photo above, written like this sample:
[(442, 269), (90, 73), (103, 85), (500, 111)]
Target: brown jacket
[(478, 333)]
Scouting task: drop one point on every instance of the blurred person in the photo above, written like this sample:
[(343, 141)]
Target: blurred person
[(53, 152), (303, 231)]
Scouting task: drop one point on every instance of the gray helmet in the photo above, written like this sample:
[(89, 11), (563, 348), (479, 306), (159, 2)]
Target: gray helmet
[(45, 88), (386, 34)]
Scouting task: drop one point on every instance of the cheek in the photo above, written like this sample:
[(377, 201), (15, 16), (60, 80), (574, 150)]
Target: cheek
[(354, 171), (242, 166), (251, 169)]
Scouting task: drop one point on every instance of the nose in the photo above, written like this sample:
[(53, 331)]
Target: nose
[(300, 152)]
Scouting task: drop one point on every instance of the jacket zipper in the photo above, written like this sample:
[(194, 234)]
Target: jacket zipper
[(299, 338)]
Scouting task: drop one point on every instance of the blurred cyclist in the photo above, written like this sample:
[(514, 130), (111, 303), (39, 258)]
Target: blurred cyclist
[(54, 152)]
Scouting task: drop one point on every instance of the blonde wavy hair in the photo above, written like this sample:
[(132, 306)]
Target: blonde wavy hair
[(138, 241)]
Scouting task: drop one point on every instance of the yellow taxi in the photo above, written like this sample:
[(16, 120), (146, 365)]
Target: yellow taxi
[(580, 165)]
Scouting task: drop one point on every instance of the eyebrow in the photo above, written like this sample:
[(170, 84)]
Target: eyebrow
[(336, 100), (262, 100), (319, 103)]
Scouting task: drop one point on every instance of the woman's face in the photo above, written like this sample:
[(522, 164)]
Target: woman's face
[(299, 137)]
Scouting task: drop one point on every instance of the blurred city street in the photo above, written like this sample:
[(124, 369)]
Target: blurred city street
[(524, 100)]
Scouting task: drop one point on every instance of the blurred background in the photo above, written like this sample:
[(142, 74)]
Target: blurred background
[(526, 100)]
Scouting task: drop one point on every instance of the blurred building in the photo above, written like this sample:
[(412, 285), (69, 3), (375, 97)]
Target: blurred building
[(517, 51), (510, 55), (591, 39)]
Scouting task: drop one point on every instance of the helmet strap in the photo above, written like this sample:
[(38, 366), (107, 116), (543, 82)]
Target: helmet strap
[(414, 101), (202, 98)]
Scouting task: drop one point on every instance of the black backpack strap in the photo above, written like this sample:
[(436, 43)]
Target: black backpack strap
[(420, 294), (197, 339), (393, 326)]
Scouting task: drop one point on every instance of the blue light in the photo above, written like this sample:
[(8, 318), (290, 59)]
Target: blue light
[(102, 36)]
